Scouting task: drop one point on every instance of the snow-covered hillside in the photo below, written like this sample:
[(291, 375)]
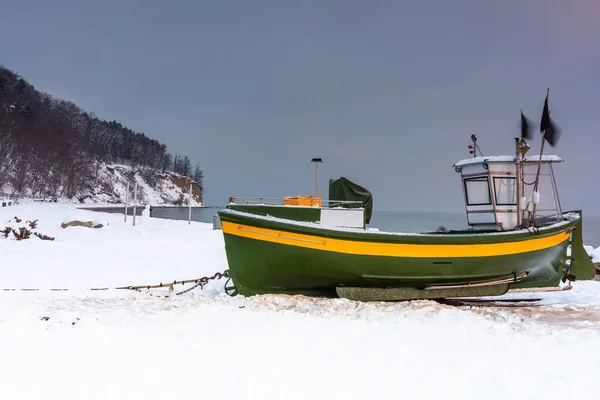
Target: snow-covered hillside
[(110, 187), (154, 188)]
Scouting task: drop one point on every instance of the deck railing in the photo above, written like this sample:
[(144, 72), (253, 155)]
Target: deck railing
[(274, 201)]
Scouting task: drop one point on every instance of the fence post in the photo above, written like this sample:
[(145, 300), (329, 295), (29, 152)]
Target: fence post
[(190, 206), (126, 200), (134, 201)]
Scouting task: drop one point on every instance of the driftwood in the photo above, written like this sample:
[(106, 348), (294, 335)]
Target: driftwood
[(43, 237), (23, 233), (87, 224)]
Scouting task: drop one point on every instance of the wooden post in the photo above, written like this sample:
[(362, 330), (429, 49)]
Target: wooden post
[(190, 205), (134, 201), (126, 200)]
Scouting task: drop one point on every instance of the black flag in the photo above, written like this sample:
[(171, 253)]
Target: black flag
[(552, 134), (545, 122), (525, 127), (547, 126)]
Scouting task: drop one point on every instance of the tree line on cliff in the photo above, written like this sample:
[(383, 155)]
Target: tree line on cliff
[(51, 147)]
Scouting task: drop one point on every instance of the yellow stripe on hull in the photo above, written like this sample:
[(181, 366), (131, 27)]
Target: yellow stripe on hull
[(394, 249)]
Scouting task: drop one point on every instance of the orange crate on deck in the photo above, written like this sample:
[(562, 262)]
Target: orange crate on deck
[(310, 201)]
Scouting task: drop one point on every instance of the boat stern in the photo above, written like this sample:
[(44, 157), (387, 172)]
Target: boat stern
[(581, 266)]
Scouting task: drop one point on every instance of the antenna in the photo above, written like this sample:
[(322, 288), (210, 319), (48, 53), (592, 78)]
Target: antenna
[(473, 148)]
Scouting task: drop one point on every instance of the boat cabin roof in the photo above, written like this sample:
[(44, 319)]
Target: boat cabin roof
[(506, 159)]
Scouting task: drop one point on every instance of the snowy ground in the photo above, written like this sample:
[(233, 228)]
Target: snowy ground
[(82, 344)]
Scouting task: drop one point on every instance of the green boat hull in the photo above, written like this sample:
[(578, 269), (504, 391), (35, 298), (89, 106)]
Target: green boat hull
[(270, 255)]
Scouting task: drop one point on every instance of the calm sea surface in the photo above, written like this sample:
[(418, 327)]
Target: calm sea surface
[(394, 221)]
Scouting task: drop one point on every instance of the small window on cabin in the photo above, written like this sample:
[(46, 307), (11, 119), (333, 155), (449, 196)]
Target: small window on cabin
[(506, 191), (478, 191)]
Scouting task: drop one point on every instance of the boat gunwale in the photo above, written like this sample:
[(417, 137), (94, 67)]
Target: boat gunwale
[(357, 234)]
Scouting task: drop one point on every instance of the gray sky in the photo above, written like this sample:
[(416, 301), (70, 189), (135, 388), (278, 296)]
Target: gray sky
[(386, 92)]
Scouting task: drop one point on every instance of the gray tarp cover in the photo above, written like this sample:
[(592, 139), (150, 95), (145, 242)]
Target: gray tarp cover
[(345, 189)]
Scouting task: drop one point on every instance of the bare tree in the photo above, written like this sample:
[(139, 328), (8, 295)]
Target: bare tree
[(186, 166), (199, 177), (7, 146), (167, 162)]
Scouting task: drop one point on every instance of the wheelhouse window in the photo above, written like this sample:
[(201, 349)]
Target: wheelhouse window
[(477, 191), (505, 189)]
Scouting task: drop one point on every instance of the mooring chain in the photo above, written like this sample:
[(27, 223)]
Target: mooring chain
[(200, 282), (204, 280)]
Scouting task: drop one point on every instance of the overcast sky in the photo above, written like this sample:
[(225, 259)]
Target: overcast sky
[(386, 92)]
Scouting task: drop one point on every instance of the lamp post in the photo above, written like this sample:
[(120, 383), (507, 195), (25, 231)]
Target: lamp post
[(317, 161)]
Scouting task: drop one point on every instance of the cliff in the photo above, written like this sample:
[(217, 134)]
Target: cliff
[(109, 186)]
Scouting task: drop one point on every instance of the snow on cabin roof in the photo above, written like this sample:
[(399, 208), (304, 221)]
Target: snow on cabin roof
[(479, 160)]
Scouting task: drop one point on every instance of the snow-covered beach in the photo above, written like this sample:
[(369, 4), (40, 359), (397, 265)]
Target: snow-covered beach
[(113, 344)]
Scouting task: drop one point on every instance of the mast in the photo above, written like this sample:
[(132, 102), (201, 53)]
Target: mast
[(518, 170), (522, 149), (545, 126)]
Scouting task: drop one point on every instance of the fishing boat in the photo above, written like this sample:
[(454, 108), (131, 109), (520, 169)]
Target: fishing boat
[(518, 239)]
